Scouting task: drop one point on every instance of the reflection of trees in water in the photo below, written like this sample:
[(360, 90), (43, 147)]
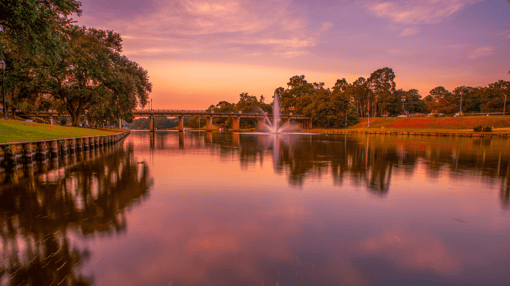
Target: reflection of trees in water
[(39, 215), (366, 160), (371, 160)]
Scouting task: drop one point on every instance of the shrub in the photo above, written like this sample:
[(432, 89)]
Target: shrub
[(487, 129), (478, 128)]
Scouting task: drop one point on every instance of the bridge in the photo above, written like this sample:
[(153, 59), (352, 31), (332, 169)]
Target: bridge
[(208, 115)]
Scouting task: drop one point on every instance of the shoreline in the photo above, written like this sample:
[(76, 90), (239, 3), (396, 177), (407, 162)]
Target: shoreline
[(416, 132), (13, 153)]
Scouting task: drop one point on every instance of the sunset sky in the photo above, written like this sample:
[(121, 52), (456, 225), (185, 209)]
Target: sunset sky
[(201, 52)]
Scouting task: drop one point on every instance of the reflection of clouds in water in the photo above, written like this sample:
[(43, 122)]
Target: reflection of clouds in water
[(414, 250), (287, 208), (246, 236)]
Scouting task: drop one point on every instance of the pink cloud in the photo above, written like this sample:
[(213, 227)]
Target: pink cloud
[(409, 31), (482, 53), (416, 12), (203, 26)]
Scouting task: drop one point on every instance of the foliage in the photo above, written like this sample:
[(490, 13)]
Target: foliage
[(52, 64), (31, 37), (196, 122), (222, 106), (159, 123), (93, 76), (478, 128)]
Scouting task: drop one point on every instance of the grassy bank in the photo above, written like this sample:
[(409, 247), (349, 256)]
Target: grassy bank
[(445, 125), (465, 122), (18, 131)]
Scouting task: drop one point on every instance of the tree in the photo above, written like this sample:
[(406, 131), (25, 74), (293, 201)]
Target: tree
[(412, 104), (361, 94), (93, 76), (298, 88), (31, 37), (128, 85), (442, 101), (222, 106), (326, 108), (249, 103), (381, 83), (498, 93)]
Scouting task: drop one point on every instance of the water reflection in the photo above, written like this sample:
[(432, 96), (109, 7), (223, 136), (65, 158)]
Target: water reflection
[(253, 209), (44, 214), (364, 160)]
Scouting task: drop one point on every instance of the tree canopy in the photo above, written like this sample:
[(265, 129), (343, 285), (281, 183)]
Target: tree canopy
[(53, 64)]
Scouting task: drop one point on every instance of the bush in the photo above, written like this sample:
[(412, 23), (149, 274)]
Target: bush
[(478, 128), (487, 129)]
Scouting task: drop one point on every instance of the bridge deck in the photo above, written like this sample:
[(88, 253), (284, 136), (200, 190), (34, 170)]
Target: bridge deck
[(187, 113), (201, 113)]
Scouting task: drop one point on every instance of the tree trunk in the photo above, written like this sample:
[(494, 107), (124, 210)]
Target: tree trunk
[(75, 118)]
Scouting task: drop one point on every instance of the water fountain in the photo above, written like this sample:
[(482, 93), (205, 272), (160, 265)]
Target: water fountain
[(275, 127)]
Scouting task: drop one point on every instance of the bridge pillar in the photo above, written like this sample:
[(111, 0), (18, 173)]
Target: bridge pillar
[(235, 124), (261, 124), (151, 122), (307, 124), (235, 139), (208, 123), (52, 120), (181, 140), (152, 144), (181, 123)]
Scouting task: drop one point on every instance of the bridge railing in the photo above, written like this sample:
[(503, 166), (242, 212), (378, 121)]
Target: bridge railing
[(203, 112)]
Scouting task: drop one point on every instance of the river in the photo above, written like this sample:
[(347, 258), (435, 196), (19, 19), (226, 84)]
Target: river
[(249, 209)]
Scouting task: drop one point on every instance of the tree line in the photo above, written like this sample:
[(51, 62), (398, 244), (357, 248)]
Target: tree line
[(377, 95), (53, 64)]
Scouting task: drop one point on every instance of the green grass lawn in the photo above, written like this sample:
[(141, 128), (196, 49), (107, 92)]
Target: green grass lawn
[(18, 131)]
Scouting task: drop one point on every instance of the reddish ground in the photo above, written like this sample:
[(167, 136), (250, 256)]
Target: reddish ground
[(467, 122)]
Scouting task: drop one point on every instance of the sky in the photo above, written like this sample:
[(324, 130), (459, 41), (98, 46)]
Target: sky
[(201, 52)]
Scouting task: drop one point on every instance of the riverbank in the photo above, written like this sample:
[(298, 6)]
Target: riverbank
[(433, 123), (427, 126), (22, 131)]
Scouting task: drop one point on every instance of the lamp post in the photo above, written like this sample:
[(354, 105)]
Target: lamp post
[(460, 108), (504, 106), (2, 67), (403, 105)]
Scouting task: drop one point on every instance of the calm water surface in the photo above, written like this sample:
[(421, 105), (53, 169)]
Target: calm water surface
[(227, 209)]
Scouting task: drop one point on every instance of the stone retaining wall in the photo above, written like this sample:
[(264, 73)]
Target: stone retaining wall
[(12, 153)]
